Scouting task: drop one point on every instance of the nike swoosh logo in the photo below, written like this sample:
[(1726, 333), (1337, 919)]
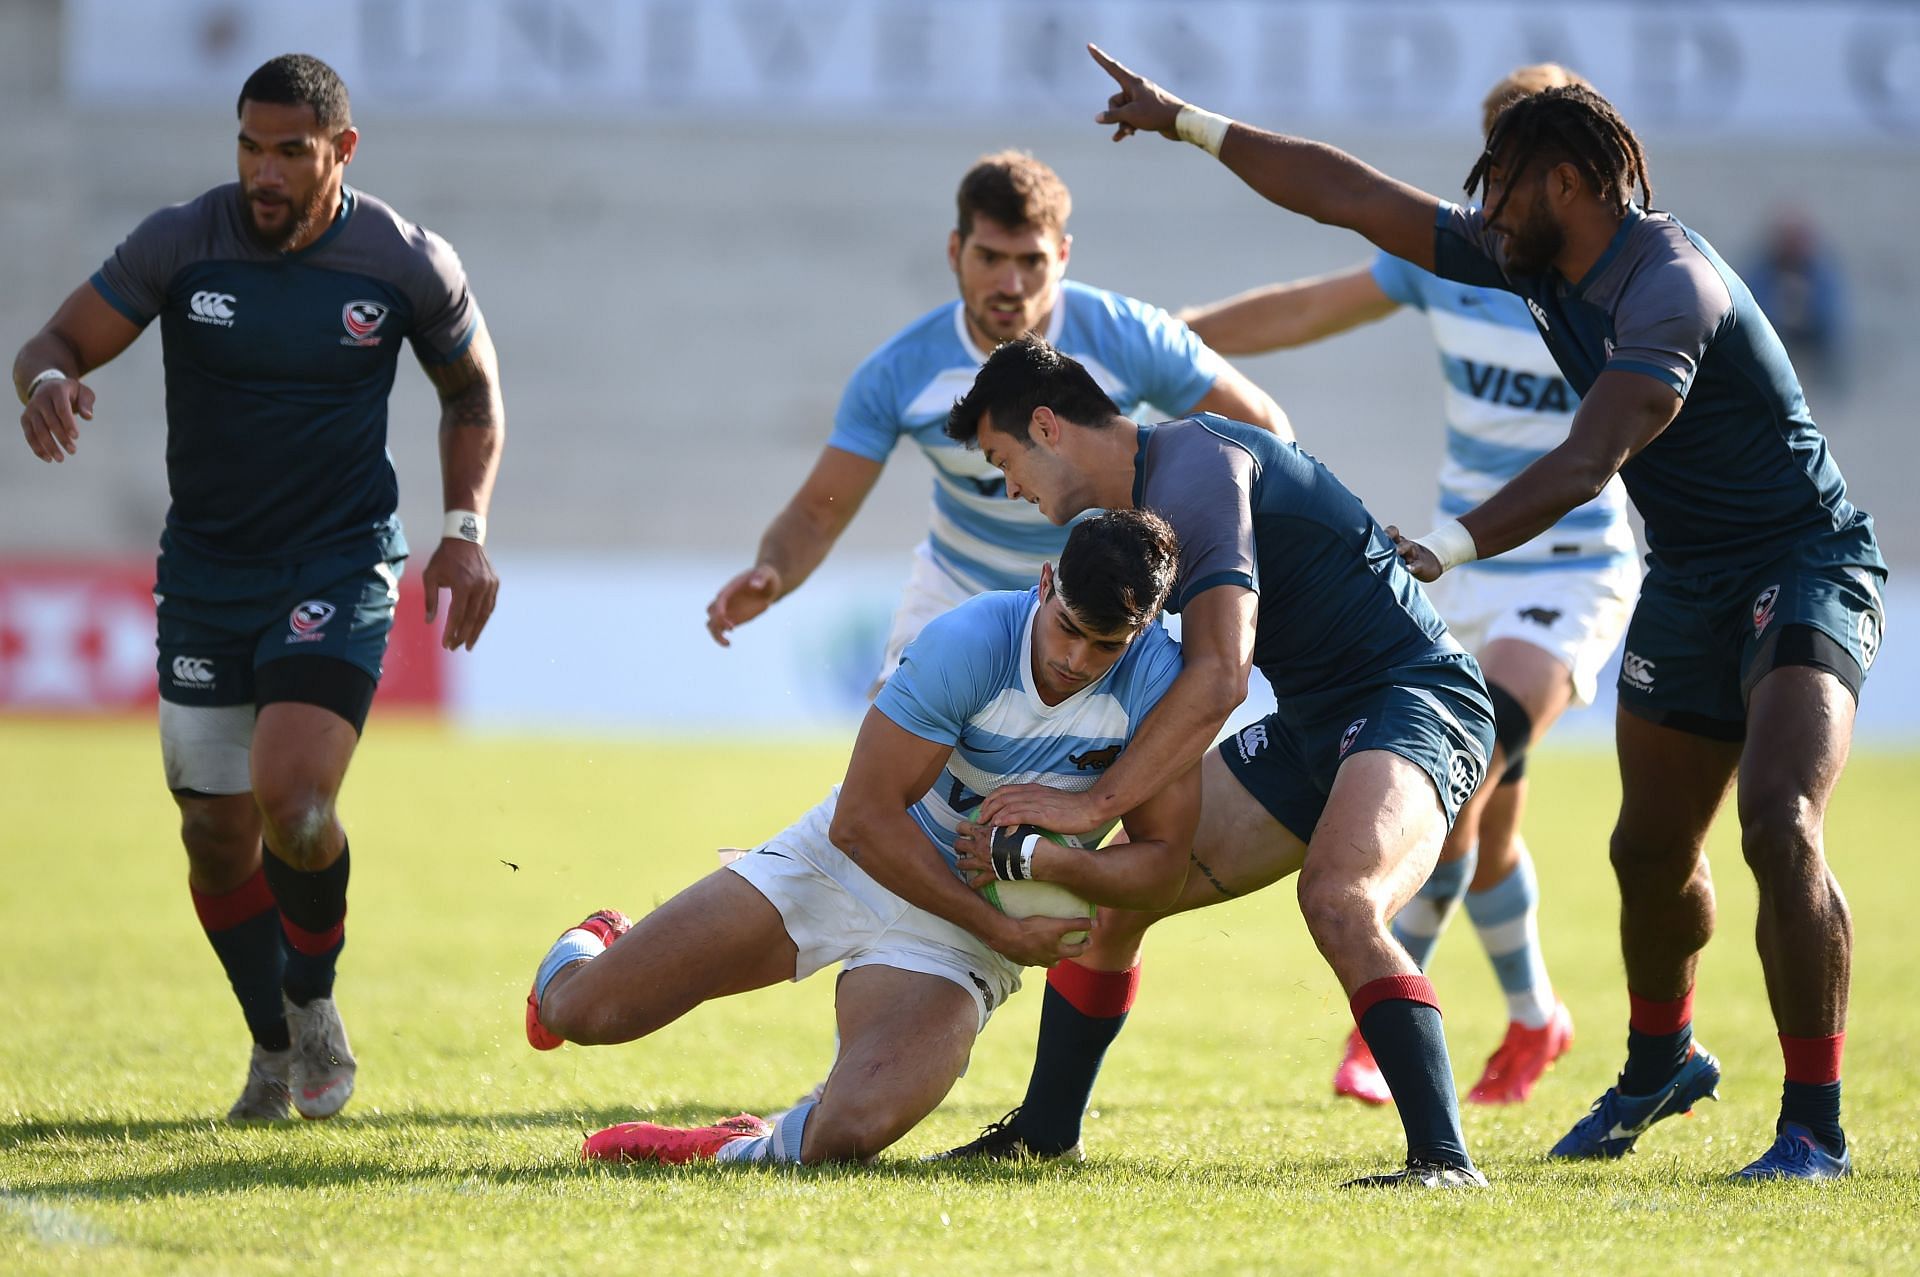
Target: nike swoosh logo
[(1620, 1132)]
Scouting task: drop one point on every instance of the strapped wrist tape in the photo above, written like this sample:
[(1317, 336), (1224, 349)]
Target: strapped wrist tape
[(1012, 852)]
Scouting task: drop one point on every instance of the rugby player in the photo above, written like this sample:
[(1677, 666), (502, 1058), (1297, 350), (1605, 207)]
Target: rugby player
[(283, 301), (1761, 611), (1048, 683), (1381, 729), (1543, 619), (1008, 252)]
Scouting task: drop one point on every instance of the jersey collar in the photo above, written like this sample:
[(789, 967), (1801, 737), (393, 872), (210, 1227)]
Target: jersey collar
[(348, 199), (1140, 464), (1619, 241)]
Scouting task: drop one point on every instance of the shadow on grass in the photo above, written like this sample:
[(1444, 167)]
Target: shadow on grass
[(254, 1157), (20, 1134)]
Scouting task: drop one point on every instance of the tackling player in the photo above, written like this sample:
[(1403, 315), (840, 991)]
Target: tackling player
[(1760, 614), (1381, 729), (1047, 684), (1543, 619), (1008, 252), (283, 301)]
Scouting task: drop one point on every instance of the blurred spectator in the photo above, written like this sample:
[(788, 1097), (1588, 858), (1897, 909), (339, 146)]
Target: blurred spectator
[(1798, 282)]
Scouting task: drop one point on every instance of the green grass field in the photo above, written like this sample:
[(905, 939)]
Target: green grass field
[(1216, 1147)]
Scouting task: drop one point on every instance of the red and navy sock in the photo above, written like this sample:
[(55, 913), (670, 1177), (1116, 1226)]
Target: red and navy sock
[(243, 927), (1659, 1040), (313, 916), (1400, 1019), (1080, 1016), (1811, 1095)]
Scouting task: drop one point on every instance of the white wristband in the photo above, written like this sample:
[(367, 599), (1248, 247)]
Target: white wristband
[(1202, 128), (465, 525), (40, 379), (1451, 543)]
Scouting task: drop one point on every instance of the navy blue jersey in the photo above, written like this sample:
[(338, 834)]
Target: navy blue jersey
[(1338, 609), (1742, 475), (278, 370)]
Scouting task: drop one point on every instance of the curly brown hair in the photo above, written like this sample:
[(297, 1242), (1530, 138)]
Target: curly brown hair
[(1015, 190)]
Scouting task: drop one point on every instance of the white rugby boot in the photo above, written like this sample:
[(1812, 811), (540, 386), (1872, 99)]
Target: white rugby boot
[(323, 1065), (266, 1095)]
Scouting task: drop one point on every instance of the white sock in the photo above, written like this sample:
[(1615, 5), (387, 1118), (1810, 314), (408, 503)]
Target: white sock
[(783, 1145), (1507, 916)]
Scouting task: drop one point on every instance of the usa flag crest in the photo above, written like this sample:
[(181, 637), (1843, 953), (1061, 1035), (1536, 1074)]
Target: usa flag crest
[(361, 319)]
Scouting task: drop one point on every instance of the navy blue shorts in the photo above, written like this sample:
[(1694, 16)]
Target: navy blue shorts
[(1443, 725), (1699, 644), (216, 632)]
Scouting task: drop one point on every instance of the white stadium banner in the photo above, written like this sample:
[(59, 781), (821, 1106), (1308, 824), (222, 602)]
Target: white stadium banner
[(1833, 70), (618, 646)]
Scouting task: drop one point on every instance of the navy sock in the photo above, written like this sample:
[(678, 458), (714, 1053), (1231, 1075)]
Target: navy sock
[(1652, 1059), (1659, 1040), (1080, 1015), (1816, 1106), (1400, 1020), (243, 927), (313, 912)]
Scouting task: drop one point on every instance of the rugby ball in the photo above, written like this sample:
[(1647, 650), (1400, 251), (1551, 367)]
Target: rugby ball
[(1040, 899)]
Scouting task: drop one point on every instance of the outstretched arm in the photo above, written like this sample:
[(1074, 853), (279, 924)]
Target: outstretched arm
[(83, 334), (1621, 414), (892, 769), (1310, 178), (1282, 316), (797, 540), (473, 429), (1216, 640), (1235, 397)]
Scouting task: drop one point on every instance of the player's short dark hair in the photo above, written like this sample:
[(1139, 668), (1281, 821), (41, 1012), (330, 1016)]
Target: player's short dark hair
[(1118, 567), (300, 79), (1015, 190), (1569, 123), (1024, 374)]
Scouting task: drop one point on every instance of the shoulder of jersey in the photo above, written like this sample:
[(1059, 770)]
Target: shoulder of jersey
[(1081, 297), (205, 210), (373, 216), (931, 338)]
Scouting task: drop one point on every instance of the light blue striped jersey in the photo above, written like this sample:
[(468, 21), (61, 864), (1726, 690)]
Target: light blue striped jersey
[(1138, 353), (967, 681), (1506, 407)]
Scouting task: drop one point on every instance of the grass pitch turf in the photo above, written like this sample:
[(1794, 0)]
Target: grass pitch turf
[(1216, 1146)]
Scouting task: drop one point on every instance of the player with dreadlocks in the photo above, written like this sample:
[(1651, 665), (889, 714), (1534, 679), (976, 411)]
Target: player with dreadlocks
[(1760, 613)]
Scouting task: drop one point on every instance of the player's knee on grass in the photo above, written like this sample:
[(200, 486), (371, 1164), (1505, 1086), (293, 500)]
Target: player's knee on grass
[(852, 1132)]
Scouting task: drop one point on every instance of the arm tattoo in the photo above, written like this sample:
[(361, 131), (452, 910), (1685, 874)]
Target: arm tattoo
[(468, 396)]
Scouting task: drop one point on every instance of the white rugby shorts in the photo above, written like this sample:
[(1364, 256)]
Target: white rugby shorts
[(836, 913), (1577, 615), (929, 592)]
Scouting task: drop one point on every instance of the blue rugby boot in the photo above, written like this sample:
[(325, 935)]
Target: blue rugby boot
[(1615, 1121), (1795, 1155)]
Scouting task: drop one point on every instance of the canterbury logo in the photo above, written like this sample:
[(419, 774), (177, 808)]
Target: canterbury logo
[(193, 671), (1636, 671), (212, 308), (1539, 315)]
